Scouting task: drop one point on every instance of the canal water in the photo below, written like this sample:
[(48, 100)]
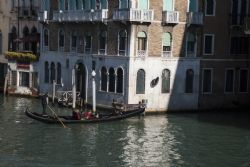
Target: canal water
[(195, 140)]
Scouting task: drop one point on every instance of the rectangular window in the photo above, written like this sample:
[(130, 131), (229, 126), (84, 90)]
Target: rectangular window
[(239, 45), (229, 81), (24, 79), (13, 78), (207, 81), (208, 44), (243, 81), (210, 8)]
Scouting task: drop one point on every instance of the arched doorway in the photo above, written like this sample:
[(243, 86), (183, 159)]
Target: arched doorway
[(81, 79)]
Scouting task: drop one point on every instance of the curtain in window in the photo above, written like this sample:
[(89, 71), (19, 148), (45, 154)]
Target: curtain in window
[(46, 72), (166, 42), (189, 81), (119, 81), (104, 79), (140, 82), (165, 87), (142, 41)]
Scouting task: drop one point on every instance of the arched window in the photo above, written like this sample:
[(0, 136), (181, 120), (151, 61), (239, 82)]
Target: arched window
[(13, 37), (122, 42), (165, 86), (61, 39), (142, 44), (46, 72), (210, 7), (119, 81), (26, 40), (166, 44), (46, 38), (102, 42), (59, 73), (140, 82), (34, 41), (189, 81), (52, 72), (111, 80), (104, 79), (73, 41)]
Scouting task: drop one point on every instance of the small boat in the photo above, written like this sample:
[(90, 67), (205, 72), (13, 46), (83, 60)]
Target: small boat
[(119, 112)]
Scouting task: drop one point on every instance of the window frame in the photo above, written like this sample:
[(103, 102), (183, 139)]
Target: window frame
[(225, 81), (212, 44), (211, 82), (214, 8)]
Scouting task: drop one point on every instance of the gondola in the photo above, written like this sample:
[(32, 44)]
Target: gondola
[(119, 112)]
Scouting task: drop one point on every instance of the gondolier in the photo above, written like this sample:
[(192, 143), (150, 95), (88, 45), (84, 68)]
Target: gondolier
[(45, 102)]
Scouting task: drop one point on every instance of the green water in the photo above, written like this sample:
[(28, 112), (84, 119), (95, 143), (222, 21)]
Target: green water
[(208, 139)]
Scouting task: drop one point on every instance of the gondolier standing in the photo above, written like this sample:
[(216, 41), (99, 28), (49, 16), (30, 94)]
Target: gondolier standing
[(45, 102)]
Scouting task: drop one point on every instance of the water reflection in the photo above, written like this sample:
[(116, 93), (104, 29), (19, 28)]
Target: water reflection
[(164, 140)]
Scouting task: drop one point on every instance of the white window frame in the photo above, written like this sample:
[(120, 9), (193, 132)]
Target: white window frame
[(171, 47), (214, 9), (73, 49), (204, 37), (225, 80), (212, 76), (246, 81), (195, 46)]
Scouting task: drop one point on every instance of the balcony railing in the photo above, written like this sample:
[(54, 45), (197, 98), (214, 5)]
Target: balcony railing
[(133, 15), (43, 16), (195, 18), (170, 17), (80, 15), (142, 53), (166, 54), (100, 15)]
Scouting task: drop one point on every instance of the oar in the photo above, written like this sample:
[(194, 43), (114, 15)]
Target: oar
[(57, 116)]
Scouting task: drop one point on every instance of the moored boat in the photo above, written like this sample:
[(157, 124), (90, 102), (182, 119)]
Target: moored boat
[(119, 112)]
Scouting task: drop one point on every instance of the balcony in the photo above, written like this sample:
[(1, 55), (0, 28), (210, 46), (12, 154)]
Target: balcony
[(170, 17), (80, 15), (133, 15), (43, 16), (195, 18)]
